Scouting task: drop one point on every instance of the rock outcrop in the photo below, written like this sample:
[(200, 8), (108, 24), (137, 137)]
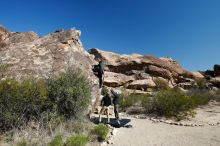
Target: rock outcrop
[(136, 70), (25, 54)]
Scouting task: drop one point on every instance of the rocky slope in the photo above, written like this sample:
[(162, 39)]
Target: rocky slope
[(140, 71), (27, 54)]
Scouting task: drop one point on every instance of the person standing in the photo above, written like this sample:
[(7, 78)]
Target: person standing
[(105, 103), (116, 101), (101, 73)]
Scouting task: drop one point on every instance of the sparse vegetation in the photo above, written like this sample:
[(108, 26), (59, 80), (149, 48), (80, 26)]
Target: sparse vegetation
[(161, 84), (101, 131), (22, 143), (201, 96), (77, 140), (70, 93), (47, 107), (201, 83), (56, 141), (21, 101), (170, 103)]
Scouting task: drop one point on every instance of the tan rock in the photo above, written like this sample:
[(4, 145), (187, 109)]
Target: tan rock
[(125, 63), (197, 75), (112, 79), (141, 84)]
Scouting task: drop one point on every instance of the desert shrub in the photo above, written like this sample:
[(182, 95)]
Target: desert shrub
[(21, 101), (70, 92), (201, 96), (200, 83), (161, 84), (56, 141), (77, 140), (101, 131), (22, 143), (170, 103), (132, 100)]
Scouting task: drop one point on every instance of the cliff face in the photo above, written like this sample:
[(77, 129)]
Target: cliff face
[(27, 54), (137, 71)]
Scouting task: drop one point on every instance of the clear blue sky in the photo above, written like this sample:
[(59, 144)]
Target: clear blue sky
[(186, 30)]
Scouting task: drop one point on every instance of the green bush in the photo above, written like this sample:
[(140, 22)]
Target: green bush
[(77, 140), (22, 143), (101, 131), (132, 100), (62, 97), (56, 141), (161, 84), (200, 83), (201, 96), (21, 101), (70, 92), (170, 103)]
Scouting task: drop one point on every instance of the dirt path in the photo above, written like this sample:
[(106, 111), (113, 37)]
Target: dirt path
[(147, 133)]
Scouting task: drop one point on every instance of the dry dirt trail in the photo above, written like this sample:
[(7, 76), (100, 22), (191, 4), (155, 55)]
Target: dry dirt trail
[(148, 133)]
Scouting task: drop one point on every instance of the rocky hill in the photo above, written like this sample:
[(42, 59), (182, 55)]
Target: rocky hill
[(27, 54)]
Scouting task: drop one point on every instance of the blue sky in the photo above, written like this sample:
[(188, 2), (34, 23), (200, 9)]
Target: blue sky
[(186, 30)]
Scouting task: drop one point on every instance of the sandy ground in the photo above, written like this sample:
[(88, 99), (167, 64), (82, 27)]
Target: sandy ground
[(147, 133)]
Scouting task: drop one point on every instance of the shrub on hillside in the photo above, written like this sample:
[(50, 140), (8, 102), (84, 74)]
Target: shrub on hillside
[(56, 141), (70, 92), (53, 100), (201, 96), (101, 131), (21, 101), (201, 83), (22, 143), (161, 84), (132, 100), (77, 140), (170, 103)]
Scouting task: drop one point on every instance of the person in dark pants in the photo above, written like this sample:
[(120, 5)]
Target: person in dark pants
[(101, 73), (116, 104), (105, 103)]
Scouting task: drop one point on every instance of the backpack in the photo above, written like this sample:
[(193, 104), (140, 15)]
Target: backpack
[(99, 68)]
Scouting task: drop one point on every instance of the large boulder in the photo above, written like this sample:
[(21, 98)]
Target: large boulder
[(28, 55), (167, 68), (217, 69), (112, 79), (142, 84), (24, 54), (197, 75)]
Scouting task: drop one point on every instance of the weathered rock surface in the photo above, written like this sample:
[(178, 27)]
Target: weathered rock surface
[(125, 63), (142, 84), (116, 79), (137, 68), (26, 54), (197, 75)]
